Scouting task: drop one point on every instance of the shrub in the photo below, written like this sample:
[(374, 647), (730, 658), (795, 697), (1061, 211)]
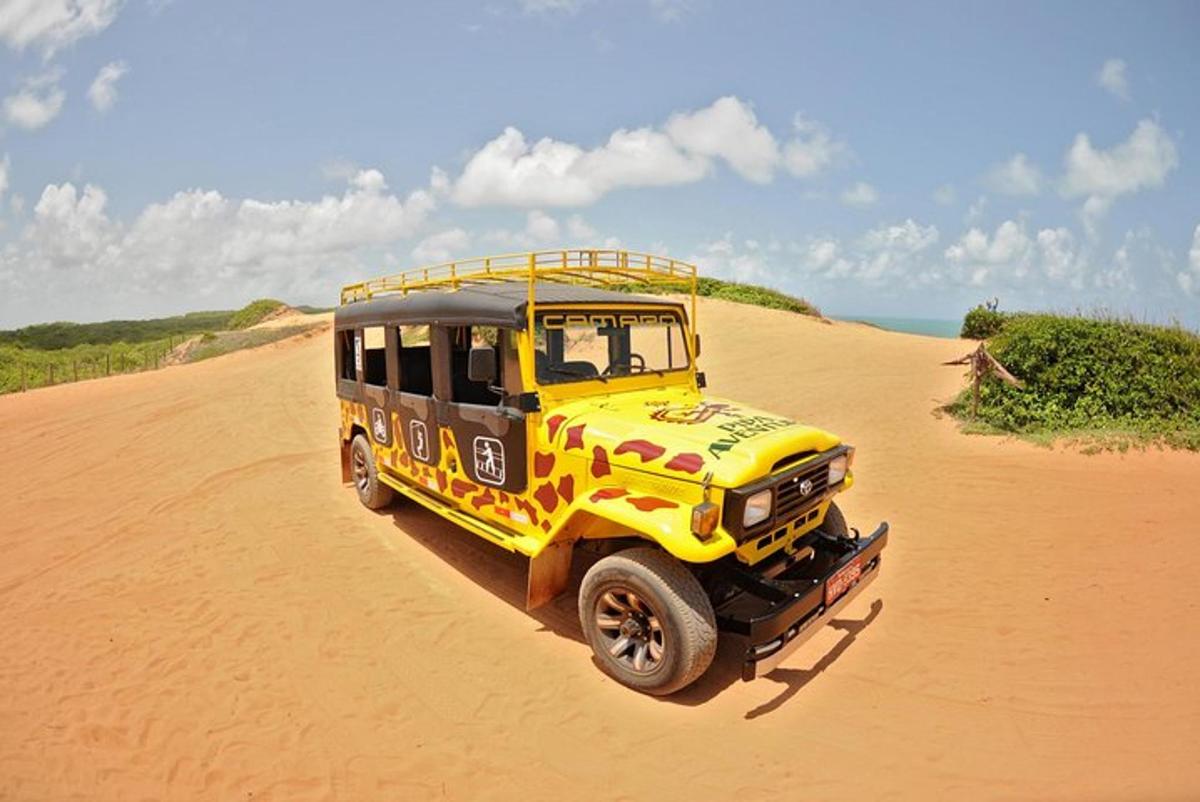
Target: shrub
[(1094, 375), (253, 312), (740, 293), (983, 322)]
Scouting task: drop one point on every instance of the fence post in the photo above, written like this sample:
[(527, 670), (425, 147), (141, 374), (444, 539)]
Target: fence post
[(23, 385), (107, 366), (75, 368), (51, 373)]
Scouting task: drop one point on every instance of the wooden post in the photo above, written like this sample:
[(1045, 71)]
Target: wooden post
[(23, 384), (75, 368), (107, 364)]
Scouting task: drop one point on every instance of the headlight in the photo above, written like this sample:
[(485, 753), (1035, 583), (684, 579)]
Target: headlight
[(758, 509), (839, 466)]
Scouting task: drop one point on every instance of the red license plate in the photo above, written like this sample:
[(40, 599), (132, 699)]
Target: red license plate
[(841, 582)]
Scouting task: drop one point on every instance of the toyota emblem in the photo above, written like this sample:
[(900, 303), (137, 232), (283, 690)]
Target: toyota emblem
[(806, 487)]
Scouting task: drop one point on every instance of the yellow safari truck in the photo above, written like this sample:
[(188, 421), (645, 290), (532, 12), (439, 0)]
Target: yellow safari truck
[(535, 401)]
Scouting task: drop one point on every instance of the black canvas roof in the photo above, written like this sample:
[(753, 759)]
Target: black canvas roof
[(499, 304)]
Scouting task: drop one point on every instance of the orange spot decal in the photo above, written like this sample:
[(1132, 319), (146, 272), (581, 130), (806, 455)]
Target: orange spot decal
[(482, 500), (575, 437), (643, 448), (460, 488), (687, 462), (552, 424), (542, 464), (600, 465), (605, 493), (566, 488), (650, 503), (547, 496)]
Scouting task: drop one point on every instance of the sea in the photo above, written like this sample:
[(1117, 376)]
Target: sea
[(930, 327)]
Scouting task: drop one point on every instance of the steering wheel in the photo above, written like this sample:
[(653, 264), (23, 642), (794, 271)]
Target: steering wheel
[(640, 367)]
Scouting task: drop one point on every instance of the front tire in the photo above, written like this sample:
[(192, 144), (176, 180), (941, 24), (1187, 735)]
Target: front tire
[(371, 492), (835, 523), (649, 623)]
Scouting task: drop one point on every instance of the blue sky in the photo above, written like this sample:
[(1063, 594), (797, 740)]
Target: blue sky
[(895, 159)]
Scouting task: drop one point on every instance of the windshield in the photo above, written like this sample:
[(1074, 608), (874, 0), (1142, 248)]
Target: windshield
[(605, 344)]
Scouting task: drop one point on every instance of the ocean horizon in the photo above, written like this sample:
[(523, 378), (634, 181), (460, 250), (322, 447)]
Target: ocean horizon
[(930, 327)]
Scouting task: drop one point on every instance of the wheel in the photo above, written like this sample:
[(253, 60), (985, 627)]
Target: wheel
[(834, 523), (648, 621), (371, 492)]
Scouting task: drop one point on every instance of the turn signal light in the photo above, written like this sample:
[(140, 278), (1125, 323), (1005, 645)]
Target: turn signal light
[(704, 518)]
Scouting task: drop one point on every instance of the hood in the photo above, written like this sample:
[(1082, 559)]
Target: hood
[(682, 434)]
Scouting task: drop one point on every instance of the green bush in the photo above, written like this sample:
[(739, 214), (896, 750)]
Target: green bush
[(53, 336), (252, 313), (1086, 375), (735, 291), (982, 323)]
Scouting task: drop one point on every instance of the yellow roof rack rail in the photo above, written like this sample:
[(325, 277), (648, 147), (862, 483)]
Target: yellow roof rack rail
[(595, 267)]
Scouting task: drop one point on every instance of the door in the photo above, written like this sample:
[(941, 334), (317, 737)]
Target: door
[(490, 433)]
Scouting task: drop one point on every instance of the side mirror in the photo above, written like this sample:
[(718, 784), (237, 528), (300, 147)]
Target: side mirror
[(697, 341), (481, 364)]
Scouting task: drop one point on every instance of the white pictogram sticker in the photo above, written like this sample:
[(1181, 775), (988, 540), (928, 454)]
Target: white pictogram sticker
[(418, 440), (358, 352), (379, 424), (489, 460)]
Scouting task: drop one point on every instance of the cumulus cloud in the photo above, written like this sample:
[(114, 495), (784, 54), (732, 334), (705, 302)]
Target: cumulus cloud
[(1112, 79), (812, 149), (200, 243), (37, 103), (1010, 256), (1017, 176), (860, 195), (52, 25), (512, 171), (1143, 161), (551, 6), (5, 165), (103, 91), (542, 230), (670, 10), (442, 246), (728, 129)]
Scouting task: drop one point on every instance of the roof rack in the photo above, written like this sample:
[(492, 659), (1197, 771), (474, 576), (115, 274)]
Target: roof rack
[(595, 267)]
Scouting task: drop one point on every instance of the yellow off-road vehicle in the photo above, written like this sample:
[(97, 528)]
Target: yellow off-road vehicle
[(534, 401)]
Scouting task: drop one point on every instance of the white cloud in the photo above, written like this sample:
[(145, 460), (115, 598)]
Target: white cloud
[(812, 149), (1017, 176), (103, 91), (945, 195), (511, 171), (1112, 79), (542, 230), (1189, 279), (200, 243), (891, 254), (723, 258), (39, 101), (861, 195), (1010, 256), (1140, 162), (5, 165), (53, 24), (728, 129), (551, 6), (579, 230), (670, 10), (442, 246)]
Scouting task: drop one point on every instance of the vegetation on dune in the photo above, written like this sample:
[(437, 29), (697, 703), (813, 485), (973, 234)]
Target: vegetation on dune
[(253, 312), (53, 353), (738, 292), (982, 322), (1108, 382), (228, 341)]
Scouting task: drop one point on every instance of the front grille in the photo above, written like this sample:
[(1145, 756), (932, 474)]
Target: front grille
[(788, 496), (789, 501)]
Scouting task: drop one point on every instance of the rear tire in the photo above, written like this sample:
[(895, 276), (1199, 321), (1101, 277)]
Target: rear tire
[(649, 623), (371, 492)]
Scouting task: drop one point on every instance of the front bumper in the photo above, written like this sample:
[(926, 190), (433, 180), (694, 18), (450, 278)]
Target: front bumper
[(780, 611)]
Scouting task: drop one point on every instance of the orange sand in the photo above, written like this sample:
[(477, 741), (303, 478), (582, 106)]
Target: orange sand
[(193, 607)]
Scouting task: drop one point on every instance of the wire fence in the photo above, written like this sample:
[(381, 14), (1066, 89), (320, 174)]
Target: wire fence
[(24, 369)]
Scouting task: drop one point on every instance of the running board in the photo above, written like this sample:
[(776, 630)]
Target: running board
[(512, 541)]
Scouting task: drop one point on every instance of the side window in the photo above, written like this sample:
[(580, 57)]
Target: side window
[(375, 356), (463, 339), (346, 364), (416, 362)]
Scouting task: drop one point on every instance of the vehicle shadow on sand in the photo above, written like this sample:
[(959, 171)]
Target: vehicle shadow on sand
[(503, 574)]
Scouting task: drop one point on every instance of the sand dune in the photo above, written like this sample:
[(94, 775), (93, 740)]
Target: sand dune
[(193, 607)]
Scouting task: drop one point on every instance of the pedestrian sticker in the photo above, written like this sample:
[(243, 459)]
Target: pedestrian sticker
[(418, 440), (489, 460)]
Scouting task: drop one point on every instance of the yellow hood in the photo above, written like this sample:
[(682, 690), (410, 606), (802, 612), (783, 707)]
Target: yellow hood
[(682, 434)]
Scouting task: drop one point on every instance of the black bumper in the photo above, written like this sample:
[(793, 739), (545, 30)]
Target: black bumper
[(779, 611)]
